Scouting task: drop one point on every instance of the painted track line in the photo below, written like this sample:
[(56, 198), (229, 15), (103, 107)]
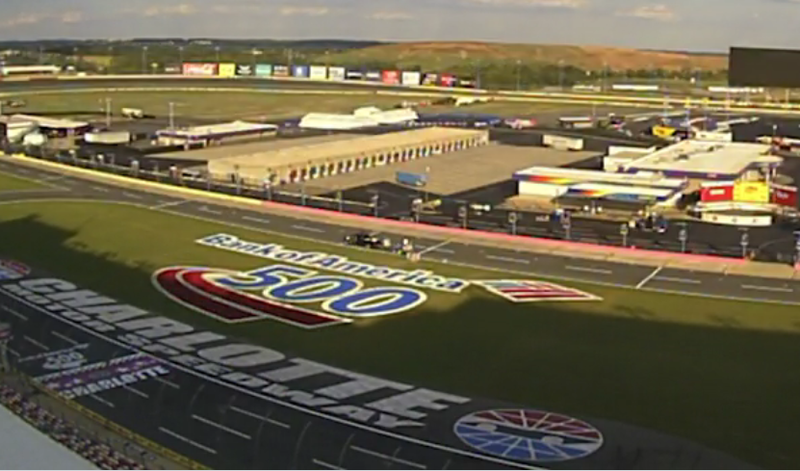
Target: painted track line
[(168, 204), (507, 259), (324, 464), (15, 313), (221, 427), (102, 401), (677, 280), (649, 277), (387, 457), (64, 338), (308, 229), (601, 271), (36, 342), (436, 247), (255, 219), (187, 440), (100, 189), (768, 288), (259, 417)]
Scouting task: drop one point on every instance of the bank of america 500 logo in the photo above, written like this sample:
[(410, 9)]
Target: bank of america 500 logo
[(528, 435), (13, 270)]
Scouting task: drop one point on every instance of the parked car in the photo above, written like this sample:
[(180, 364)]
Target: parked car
[(368, 240)]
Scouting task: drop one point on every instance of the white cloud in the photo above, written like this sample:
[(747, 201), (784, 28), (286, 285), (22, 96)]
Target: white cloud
[(304, 11), (72, 17), (22, 19), (659, 12), (390, 16), (182, 9), (559, 4)]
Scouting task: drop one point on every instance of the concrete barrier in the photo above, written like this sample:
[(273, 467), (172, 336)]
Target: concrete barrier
[(573, 249)]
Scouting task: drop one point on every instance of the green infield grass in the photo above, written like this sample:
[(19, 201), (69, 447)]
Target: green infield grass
[(242, 103), (14, 183), (718, 372)]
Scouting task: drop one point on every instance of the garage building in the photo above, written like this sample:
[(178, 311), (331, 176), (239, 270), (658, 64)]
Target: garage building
[(304, 163)]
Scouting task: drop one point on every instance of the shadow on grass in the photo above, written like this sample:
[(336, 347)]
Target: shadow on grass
[(730, 389)]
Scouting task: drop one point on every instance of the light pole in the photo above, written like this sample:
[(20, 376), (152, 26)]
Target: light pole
[(623, 230), (745, 242), (603, 84), (561, 74), (375, 201), (566, 223), (108, 112), (683, 236), (519, 74), (171, 115), (216, 50), (512, 219), (180, 55), (144, 60)]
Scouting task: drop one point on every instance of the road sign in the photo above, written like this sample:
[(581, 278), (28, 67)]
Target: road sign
[(623, 229), (462, 212), (745, 238), (512, 217), (683, 236)]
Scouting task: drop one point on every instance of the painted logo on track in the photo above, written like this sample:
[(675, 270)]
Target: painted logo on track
[(528, 435), (295, 292), (13, 270)]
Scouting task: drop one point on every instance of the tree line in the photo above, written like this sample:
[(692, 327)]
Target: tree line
[(498, 74)]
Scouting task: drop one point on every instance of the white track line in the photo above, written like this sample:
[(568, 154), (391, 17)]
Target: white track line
[(256, 416), (136, 391), (186, 440), (221, 427), (589, 269), (64, 337), (168, 204), (324, 464), (36, 342), (100, 189), (132, 195), (206, 209), (768, 288), (387, 457), (167, 382), (507, 259), (435, 247), (649, 277), (15, 313), (255, 219), (102, 401), (308, 229), (677, 280)]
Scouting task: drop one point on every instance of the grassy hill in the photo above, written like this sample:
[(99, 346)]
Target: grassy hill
[(442, 55)]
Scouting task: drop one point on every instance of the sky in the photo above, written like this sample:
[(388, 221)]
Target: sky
[(696, 25)]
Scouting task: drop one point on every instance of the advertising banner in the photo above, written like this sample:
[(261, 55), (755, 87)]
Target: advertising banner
[(411, 78), (751, 192), (263, 70), (195, 68), (280, 71), (354, 75), (172, 69), (391, 77), (430, 79), (466, 83), (318, 72), (336, 73), (784, 195), (227, 69), (373, 76), (244, 70), (447, 80), (301, 71), (710, 194)]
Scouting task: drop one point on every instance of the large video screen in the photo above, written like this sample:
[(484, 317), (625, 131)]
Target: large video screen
[(772, 68)]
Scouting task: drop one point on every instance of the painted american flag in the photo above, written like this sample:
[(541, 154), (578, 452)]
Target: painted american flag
[(521, 291)]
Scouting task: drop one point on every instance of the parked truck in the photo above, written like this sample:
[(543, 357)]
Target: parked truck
[(411, 179)]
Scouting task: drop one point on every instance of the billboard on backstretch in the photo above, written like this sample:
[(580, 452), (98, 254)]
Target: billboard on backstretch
[(263, 70), (751, 192), (281, 71), (244, 70), (784, 195), (301, 71), (373, 75), (448, 80), (227, 69), (336, 73), (354, 74), (318, 72), (390, 77), (430, 79), (411, 78), (195, 68), (756, 67)]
